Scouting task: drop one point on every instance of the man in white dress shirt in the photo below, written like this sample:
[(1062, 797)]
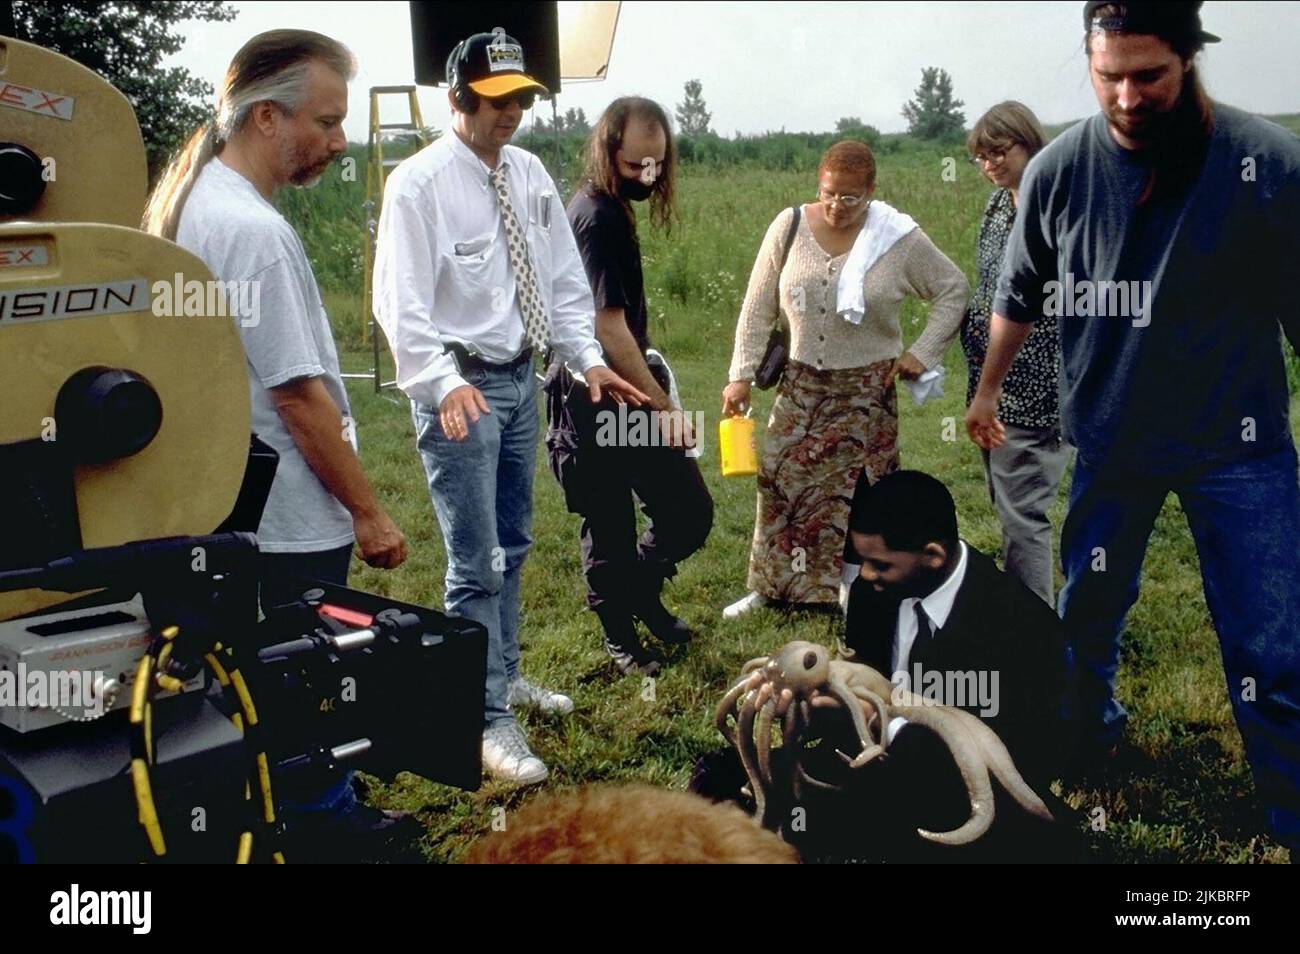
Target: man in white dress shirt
[(477, 271)]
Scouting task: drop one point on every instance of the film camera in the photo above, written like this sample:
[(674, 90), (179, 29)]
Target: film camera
[(145, 709)]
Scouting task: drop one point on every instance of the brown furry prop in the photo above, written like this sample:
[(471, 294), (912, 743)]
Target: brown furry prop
[(633, 824)]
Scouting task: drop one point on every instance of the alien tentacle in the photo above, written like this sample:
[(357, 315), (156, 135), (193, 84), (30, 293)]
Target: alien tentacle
[(765, 740), (726, 708), (745, 747), (999, 761), (836, 688), (974, 774)]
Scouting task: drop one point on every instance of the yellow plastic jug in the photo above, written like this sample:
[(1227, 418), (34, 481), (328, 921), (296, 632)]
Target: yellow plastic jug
[(736, 441)]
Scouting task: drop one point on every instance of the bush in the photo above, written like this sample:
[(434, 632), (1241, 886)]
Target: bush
[(678, 280), (330, 220)]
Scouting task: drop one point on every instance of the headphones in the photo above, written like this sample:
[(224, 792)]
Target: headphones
[(467, 101)]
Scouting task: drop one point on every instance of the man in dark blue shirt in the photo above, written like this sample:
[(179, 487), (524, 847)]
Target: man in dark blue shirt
[(1160, 232)]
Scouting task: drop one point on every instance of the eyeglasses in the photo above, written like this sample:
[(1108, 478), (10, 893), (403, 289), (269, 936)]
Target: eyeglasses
[(993, 157), (525, 100), (848, 201)]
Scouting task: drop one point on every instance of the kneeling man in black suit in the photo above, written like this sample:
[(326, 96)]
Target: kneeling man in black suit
[(938, 617)]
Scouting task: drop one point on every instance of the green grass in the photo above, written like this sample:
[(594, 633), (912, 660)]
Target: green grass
[(1185, 793), (1288, 121)]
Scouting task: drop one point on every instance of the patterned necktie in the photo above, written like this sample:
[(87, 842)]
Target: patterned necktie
[(536, 325)]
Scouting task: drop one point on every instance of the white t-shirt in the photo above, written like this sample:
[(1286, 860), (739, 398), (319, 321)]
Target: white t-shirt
[(242, 238)]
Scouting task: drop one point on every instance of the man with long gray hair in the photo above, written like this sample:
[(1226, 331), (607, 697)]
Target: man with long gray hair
[(280, 122)]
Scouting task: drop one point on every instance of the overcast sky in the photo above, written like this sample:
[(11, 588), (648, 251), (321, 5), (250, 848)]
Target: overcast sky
[(801, 66)]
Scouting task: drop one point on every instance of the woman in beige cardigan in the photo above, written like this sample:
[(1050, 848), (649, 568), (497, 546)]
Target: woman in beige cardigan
[(851, 262)]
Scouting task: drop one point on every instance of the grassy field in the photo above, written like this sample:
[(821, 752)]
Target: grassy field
[(1182, 794)]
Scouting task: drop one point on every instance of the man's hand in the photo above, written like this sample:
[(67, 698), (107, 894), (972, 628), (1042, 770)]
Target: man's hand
[(756, 681), (602, 381), (817, 700), (982, 422), (675, 429), (906, 367), (380, 542), (1006, 338), (323, 438), (460, 408), (735, 399)]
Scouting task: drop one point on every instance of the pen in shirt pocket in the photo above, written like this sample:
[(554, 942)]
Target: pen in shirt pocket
[(544, 209)]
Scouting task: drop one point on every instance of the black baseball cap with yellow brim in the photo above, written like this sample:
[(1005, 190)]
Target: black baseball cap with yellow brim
[(492, 65)]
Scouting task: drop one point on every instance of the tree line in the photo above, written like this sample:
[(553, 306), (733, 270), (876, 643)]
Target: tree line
[(126, 43), (933, 114)]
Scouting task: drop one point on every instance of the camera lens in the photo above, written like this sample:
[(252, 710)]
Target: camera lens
[(107, 414), (21, 182)]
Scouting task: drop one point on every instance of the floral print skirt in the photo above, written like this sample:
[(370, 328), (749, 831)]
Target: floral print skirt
[(825, 427)]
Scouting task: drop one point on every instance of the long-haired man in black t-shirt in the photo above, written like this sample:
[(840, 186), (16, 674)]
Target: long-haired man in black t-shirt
[(604, 459)]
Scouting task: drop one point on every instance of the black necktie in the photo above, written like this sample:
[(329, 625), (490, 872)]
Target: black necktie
[(924, 633)]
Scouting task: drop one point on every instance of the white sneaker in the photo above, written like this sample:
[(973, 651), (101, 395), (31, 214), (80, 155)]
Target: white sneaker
[(507, 756), (523, 694), (745, 604)]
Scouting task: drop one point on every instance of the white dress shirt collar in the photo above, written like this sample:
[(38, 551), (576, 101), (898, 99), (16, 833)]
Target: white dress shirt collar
[(461, 150), (442, 267), (937, 606)]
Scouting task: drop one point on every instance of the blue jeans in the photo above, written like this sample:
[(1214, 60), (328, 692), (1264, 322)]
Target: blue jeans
[(482, 491), (1245, 521)]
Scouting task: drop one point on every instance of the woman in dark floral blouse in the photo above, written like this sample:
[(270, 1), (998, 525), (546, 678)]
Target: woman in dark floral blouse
[(1023, 474)]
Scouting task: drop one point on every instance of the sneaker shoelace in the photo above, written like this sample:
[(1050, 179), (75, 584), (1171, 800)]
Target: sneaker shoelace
[(530, 691), (515, 745)]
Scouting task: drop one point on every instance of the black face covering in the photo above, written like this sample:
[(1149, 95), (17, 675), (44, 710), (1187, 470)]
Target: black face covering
[(634, 190)]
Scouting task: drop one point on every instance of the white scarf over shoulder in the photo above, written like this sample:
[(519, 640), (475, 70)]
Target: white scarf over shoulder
[(883, 227)]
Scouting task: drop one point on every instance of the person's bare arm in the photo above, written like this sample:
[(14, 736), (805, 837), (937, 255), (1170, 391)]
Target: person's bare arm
[(1005, 340), (625, 357), (315, 423)]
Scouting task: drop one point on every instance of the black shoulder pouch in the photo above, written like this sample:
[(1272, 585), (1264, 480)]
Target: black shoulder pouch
[(772, 366)]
